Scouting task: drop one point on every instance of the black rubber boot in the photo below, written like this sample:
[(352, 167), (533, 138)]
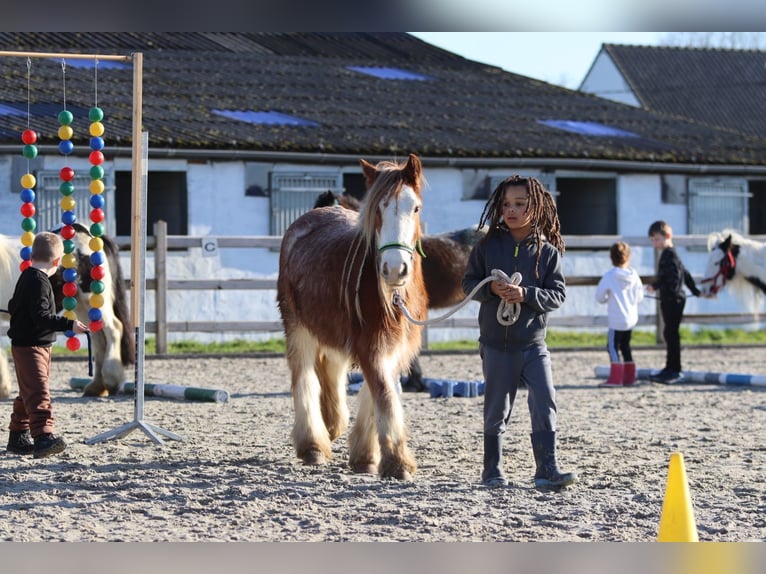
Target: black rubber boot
[(492, 475), (20, 442), (547, 474)]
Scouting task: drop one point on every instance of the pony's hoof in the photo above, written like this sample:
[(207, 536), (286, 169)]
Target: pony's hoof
[(95, 390), (365, 468), (313, 457)]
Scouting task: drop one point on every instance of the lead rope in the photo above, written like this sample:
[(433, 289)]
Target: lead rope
[(507, 313)]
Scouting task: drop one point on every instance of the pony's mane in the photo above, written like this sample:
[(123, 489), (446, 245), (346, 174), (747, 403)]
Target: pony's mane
[(387, 185)]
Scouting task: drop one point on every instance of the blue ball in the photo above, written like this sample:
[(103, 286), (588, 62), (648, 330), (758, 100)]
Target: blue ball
[(94, 314), (68, 218), (26, 253), (97, 258), (96, 143), (66, 147), (69, 333), (27, 195), (97, 201), (70, 275)]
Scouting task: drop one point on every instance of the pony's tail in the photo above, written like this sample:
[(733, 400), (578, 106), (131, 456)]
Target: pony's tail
[(120, 305)]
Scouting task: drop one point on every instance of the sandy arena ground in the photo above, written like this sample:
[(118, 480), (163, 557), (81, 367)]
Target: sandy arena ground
[(235, 476)]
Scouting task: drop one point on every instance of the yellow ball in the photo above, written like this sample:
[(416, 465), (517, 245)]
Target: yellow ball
[(28, 181), (96, 300), (27, 238), (96, 129), (69, 261), (67, 203), (66, 133), (96, 186), (69, 314), (96, 244)]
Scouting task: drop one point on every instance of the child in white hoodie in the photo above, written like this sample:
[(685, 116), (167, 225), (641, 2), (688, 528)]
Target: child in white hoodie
[(621, 289)]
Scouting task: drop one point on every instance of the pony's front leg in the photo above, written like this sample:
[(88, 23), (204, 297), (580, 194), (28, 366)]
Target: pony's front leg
[(109, 372), (310, 437), (396, 460), (332, 369), (364, 451)]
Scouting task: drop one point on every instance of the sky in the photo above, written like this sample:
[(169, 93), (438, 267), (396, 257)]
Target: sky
[(561, 58)]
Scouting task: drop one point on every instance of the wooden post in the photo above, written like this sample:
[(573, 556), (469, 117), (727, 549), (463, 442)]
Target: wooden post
[(161, 285)]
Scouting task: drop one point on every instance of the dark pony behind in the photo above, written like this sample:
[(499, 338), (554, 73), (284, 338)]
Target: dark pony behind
[(338, 272), (446, 257), (114, 345)]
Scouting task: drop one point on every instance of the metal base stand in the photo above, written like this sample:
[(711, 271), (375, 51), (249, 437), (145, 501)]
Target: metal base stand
[(138, 422)]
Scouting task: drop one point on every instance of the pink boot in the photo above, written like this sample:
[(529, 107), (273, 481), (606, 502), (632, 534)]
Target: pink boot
[(616, 374), (629, 374)]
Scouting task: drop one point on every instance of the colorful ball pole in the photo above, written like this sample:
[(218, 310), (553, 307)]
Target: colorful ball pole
[(97, 217), (68, 218), (28, 210)]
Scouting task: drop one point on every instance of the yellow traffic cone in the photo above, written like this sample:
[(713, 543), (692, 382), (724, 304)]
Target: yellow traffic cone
[(677, 521)]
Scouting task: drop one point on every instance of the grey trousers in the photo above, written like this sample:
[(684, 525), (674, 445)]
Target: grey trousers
[(504, 371)]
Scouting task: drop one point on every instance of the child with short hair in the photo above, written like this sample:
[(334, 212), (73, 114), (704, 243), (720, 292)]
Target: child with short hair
[(670, 281), (621, 290), (34, 324), (524, 236)]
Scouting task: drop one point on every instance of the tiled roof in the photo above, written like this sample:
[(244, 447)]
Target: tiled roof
[(721, 87), (468, 109)]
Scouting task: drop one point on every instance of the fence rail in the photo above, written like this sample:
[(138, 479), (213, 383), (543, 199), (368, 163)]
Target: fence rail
[(161, 243)]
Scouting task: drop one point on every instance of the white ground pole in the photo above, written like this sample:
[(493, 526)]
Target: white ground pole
[(140, 153)]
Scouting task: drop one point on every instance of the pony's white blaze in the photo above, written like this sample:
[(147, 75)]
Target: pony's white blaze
[(396, 237)]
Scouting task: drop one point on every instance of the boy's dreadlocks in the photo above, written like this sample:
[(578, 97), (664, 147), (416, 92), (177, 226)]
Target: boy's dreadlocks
[(541, 208)]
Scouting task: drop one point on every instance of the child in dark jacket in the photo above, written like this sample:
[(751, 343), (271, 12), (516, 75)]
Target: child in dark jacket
[(670, 281), (524, 236), (34, 324)]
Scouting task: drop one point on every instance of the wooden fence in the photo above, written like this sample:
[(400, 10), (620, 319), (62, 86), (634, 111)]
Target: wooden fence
[(160, 285)]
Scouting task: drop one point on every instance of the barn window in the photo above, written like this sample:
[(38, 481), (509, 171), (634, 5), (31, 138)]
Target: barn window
[(716, 204), (294, 193)]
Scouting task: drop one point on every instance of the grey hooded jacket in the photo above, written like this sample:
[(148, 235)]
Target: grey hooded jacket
[(499, 250)]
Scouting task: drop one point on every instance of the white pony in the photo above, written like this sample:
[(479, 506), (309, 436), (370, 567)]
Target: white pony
[(9, 272), (738, 262)]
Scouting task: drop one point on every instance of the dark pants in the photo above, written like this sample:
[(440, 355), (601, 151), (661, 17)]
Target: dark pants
[(32, 408), (618, 342), (672, 313), (504, 371)]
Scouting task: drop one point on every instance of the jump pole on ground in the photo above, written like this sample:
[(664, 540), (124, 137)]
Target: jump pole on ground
[(704, 377)]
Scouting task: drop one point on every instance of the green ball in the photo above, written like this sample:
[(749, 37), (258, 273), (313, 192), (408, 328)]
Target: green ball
[(66, 188), (28, 224), (96, 172), (96, 114), (65, 117), (69, 246), (97, 229), (30, 151), (70, 303), (97, 286)]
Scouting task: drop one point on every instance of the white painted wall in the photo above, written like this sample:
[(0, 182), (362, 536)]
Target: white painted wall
[(218, 207)]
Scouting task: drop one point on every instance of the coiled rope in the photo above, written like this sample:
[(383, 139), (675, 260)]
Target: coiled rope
[(507, 313)]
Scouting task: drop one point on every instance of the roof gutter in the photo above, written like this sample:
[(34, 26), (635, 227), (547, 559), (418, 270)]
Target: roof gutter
[(456, 162)]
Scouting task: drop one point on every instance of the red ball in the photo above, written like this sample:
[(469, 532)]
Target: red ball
[(67, 232), (69, 289), (28, 209), (96, 326), (97, 215), (97, 272), (29, 136), (66, 173), (24, 264), (73, 343), (96, 157)]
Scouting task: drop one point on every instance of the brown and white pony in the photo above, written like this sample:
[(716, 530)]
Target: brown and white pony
[(338, 271), (114, 345), (738, 262), (444, 263)]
